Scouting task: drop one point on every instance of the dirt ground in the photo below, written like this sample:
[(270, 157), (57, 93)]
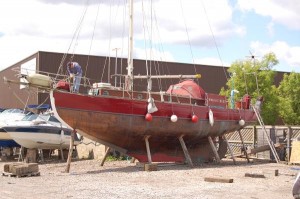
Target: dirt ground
[(122, 179)]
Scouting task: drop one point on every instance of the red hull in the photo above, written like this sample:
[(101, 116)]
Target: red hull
[(120, 123)]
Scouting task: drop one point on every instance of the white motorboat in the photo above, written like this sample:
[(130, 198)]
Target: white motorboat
[(9, 115), (42, 131)]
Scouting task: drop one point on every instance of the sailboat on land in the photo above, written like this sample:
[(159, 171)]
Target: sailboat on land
[(170, 126)]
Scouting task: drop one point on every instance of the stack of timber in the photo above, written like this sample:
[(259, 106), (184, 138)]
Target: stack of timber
[(150, 167), (217, 179), (264, 148), (21, 170)]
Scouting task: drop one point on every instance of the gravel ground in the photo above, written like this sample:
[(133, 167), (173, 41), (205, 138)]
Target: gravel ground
[(121, 179)]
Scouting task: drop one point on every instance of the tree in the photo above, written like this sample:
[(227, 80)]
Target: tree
[(255, 78), (289, 95)]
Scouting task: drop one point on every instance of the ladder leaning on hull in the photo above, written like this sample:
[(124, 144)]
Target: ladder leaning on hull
[(270, 142)]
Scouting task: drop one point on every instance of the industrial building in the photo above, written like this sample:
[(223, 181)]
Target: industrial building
[(102, 69)]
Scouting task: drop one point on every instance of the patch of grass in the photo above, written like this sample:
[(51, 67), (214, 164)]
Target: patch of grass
[(114, 158)]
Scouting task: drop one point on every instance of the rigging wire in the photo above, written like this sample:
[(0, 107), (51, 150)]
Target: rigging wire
[(25, 104), (151, 51), (156, 63), (109, 44), (145, 43), (215, 42), (151, 37), (95, 24), (188, 36), (122, 46), (161, 49), (148, 68), (123, 40), (75, 37)]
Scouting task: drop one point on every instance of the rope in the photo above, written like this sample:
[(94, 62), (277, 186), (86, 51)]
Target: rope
[(14, 93), (214, 40)]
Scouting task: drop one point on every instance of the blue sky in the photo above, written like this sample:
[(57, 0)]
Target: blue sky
[(212, 32)]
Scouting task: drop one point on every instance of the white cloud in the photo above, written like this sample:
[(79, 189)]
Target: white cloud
[(153, 54), (32, 26), (284, 52), (36, 25), (283, 12), (211, 61), (46, 25), (197, 18)]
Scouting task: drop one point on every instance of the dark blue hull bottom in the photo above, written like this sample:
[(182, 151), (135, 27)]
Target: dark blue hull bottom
[(8, 143)]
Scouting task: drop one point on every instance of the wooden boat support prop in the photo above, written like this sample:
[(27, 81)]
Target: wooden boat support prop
[(70, 151), (230, 150), (105, 156), (244, 148), (148, 149), (185, 151), (213, 147)]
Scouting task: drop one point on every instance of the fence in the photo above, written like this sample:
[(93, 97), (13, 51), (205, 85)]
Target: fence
[(253, 137)]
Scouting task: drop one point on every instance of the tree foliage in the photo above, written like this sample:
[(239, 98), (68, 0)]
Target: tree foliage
[(255, 78), (289, 99)]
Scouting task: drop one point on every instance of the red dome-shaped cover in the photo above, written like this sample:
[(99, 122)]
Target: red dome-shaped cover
[(187, 88)]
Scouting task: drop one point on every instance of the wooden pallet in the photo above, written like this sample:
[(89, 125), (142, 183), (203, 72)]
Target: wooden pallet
[(20, 176)]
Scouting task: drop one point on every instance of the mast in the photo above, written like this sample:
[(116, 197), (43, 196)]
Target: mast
[(129, 78)]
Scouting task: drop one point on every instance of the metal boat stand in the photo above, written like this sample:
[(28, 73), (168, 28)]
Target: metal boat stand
[(213, 147), (185, 151)]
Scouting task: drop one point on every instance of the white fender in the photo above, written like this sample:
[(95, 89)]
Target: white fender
[(242, 122), (151, 105), (174, 118), (211, 117)]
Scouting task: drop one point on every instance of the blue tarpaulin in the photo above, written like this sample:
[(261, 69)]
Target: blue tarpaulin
[(41, 106)]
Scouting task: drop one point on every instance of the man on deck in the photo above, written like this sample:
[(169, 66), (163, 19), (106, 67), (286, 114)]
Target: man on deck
[(75, 71)]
